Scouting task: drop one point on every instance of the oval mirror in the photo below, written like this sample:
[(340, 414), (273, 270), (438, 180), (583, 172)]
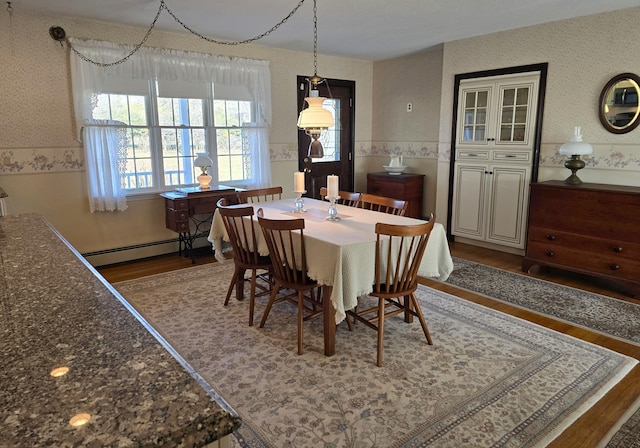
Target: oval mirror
[(618, 106)]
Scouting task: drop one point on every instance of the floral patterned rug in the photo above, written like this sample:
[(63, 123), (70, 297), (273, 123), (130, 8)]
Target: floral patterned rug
[(596, 312), (489, 379)]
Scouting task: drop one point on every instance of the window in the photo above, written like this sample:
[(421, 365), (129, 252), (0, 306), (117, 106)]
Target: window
[(180, 128), (143, 121)]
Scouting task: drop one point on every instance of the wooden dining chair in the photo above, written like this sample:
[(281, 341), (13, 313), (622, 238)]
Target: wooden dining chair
[(349, 198), (242, 231), (285, 240), (259, 195), (382, 204), (399, 251)]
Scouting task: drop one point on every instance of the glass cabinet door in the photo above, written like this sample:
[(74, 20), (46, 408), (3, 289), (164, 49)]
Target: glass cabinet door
[(497, 113), (475, 115), (514, 116)]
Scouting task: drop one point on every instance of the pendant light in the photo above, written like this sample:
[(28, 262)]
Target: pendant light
[(315, 118)]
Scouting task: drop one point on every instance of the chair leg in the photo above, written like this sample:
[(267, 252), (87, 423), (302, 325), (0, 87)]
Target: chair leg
[(272, 298), (252, 297), (234, 280), (381, 308), (423, 323), (300, 319)]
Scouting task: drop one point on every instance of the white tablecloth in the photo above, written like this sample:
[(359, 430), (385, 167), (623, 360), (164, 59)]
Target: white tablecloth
[(342, 253)]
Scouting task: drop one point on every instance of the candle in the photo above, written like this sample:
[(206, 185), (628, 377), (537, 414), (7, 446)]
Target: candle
[(298, 182), (332, 186)]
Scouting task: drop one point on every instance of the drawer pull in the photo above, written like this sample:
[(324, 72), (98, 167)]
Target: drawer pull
[(550, 253), (614, 267), (617, 249), (551, 237), (510, 156)]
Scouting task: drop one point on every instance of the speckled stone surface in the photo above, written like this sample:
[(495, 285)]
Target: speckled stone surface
[(56, 311)]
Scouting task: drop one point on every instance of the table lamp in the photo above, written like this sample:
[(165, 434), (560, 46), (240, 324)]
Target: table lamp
[(204, 162), (574, 149)]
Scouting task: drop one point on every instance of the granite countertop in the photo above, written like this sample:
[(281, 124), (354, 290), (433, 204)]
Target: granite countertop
[(56, 311)]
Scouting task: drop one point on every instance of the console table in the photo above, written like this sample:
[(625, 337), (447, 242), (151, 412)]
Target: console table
[(588, 228), (74, 350), (188, 211), (406, 187)]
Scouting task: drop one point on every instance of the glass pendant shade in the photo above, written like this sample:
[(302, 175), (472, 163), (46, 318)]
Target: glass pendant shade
[(314, 119), (315, 116)]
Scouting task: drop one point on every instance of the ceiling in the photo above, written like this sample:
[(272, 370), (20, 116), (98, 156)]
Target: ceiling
[(360, 29)]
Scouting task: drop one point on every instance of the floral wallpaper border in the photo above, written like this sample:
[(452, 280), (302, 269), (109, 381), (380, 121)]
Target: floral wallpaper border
[(61, 159), (40, 160)]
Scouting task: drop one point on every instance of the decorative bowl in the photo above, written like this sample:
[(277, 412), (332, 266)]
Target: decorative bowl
[(394, 169)]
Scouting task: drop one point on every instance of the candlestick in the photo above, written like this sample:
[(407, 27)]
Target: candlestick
[(299, 203), (333, 211), (332, 186), (298, 182)]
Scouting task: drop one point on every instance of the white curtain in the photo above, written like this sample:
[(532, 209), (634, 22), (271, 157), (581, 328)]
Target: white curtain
[(105, 154), (258, 140), (162, 64)]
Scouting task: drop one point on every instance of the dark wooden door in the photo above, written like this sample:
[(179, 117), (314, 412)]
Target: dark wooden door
[(338, 142)]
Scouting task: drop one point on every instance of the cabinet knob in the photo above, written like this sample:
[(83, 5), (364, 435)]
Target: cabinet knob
[(550, 253), (614, 267), (551, 237), (617, 249)]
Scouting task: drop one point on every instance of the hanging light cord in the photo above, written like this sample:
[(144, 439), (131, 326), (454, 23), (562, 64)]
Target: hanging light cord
[(10, 11), (163, 6)]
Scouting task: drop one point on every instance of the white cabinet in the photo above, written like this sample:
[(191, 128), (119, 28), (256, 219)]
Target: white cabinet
[(490, 203), (494, 152)]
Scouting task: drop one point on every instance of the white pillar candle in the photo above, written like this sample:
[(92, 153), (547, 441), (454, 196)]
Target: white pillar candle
[(298, 182), (332, 186)]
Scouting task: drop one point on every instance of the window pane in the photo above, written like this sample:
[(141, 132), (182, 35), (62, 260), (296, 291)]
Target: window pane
[(521, 114), (523, 96), (165, 112), (507, 115), (195, 112), (220, 113), (470, 100), (482, 98), (330, 138), (508, 98)]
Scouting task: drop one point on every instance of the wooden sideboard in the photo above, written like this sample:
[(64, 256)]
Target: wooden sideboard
[(407, 187), (189, 211), (588, 228)]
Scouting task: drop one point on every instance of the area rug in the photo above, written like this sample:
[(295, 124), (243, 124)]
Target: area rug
[(599, 313), (606, 315), (489, 379)]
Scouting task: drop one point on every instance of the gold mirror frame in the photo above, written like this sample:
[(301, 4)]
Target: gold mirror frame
[(618, 106)]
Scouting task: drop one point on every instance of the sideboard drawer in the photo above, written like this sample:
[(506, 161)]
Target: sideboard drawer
[(624, 249), (606, 264)]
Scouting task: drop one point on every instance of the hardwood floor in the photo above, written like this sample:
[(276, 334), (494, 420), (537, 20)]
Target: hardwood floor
[(589, 430)]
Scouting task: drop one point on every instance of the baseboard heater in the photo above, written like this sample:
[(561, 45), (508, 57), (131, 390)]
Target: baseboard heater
[(132, 247)]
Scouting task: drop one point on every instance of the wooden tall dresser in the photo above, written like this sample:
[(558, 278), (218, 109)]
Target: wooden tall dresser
[(589, 228), (406, 187)]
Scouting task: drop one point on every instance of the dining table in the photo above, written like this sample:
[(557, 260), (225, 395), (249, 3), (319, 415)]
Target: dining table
[(340, 253)]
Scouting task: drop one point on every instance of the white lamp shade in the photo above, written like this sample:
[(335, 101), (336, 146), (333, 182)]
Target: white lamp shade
[(576, 146), (203, 160), (315, 116)]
